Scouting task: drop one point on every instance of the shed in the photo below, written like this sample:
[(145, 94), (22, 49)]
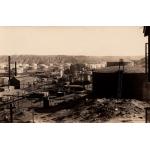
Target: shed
[(14, 82)]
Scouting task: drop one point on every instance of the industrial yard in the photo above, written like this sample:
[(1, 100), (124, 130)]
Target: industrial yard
[(42, 97), (75, 89)]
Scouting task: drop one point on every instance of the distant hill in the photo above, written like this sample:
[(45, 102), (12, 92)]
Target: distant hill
[(46, 59), (140, 62)]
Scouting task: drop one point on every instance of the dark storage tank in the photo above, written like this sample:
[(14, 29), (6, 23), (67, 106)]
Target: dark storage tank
[(105, 83)]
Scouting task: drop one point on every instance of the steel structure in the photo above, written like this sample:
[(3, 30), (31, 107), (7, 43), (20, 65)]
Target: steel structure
[(146, 32)]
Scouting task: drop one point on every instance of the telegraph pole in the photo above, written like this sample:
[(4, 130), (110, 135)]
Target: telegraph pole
[(149, 58), (146, 44), (11, 113), (9, 74)]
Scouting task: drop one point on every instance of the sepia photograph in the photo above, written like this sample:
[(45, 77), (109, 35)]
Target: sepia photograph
[(74, 74)]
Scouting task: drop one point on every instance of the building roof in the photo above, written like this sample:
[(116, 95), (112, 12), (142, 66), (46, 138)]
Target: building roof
[(113, 69), (74, 86)]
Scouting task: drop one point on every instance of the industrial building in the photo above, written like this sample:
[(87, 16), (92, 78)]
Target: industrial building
[(14, 82), (120, 80), (4, 81)]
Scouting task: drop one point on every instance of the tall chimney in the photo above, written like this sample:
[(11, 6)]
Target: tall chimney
[(9, 74), (15, 68)]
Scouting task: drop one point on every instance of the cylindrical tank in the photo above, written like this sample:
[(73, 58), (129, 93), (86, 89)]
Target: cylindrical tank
[(1, 81)]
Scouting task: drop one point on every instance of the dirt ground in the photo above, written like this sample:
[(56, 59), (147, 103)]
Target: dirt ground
[(90, 111)]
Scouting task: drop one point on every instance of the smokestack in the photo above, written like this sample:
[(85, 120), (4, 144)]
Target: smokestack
[(15, 68), (9, 69)]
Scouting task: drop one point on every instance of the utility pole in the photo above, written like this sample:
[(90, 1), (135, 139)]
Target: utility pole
[(9, 74), (146, 32), (149, 58), (146, 45), (33, 115), (11, 113)]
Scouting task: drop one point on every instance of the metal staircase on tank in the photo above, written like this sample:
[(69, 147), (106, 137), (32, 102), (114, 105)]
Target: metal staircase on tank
[(120, 79)]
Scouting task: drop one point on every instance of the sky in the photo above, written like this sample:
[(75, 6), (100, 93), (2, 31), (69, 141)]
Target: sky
[(91, 41)]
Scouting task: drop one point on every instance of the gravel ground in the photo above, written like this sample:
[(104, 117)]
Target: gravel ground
[(89, 111)]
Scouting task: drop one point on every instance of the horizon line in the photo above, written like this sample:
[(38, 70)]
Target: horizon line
[(71, 55)]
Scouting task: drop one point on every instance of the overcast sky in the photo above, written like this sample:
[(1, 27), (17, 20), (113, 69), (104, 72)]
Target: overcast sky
[(95, 41)]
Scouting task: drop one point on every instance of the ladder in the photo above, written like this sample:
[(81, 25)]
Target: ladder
[(120, 79)]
